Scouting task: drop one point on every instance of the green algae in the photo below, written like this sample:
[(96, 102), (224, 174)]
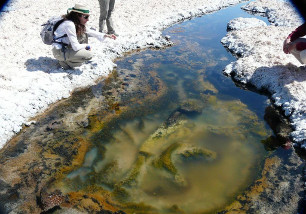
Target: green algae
[(175, 210), (106, 175), (155, 141), (139, 208), (165, 162), (133, 175), (121, 194), (196, 153), (172, 145)]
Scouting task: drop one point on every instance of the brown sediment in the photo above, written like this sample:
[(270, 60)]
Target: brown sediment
[(32, 171), (276, 189), (242, 204), (262, 183), (82, 147), (93, 200)]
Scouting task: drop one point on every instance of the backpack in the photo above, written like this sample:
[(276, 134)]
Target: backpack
[(47, 32)]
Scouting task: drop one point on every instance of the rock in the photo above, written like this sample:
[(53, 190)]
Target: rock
[(84, 123), (29, 123), (174, 118), (279, 124), (191, 107), (197, 153), (51, 200)]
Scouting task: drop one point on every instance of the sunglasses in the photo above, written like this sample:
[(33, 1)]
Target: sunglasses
[(85, 17)]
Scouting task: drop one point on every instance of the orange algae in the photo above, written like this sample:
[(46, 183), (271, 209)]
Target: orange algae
[(77, 161), (97, 201), (241, 205)]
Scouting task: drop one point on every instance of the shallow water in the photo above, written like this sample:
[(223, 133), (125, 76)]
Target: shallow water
[(200, 148)]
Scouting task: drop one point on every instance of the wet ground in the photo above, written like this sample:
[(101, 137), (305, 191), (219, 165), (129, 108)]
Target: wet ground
[(166, 132)]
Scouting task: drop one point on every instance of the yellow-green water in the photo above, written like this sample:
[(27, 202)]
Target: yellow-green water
[(197, 163), (200, 183)]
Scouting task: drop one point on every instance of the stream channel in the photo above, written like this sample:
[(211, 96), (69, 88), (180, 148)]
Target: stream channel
[(200, 160), (166, 132)]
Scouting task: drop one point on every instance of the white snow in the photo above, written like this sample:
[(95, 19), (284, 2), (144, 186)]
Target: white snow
[(243, 23), (30, 78)]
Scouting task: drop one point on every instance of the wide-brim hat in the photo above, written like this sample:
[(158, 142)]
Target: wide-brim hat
[(79, 8)]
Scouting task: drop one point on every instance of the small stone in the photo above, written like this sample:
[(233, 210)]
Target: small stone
[(51, 200), (30, 123)]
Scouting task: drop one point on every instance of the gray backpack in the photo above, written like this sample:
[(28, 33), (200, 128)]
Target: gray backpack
[(47, 32)]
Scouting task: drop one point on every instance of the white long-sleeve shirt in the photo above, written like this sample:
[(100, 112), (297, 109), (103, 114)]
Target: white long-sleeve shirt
[(68, 27)]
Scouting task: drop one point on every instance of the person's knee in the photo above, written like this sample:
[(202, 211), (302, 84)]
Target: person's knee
[(103, 15), (303, 56), (87, 59), (88, 55)]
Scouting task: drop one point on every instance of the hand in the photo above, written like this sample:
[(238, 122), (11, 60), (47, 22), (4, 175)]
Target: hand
[(291, 46), (87, 48), (286, 46), (112, 36)]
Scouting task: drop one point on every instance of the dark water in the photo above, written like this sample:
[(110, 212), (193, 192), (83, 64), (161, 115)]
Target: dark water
[(208, 31), (201, 147), (3, 4)]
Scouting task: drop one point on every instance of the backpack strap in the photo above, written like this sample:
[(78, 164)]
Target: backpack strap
[(64, 45), (57, 24), (56, 38)]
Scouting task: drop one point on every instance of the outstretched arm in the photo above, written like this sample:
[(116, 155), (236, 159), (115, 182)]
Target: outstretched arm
[(100, 36)]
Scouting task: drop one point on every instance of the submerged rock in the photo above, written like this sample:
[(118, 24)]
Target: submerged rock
[(187, 109), (191, 107), (278, 123), (165, 161), (174, 118), (198, 153)]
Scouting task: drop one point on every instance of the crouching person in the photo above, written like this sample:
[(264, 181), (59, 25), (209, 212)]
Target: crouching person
[(296, 45), (71, 46)]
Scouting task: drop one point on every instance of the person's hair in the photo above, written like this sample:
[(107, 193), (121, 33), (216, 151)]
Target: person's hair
[(74, 17)]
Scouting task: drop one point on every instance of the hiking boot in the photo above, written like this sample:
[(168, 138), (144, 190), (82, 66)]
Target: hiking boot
[(64, 65)]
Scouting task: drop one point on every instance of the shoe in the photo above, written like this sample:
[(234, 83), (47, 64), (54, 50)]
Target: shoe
[(64, 65)]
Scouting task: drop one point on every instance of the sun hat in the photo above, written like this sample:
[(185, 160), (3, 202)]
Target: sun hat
[(79, 8)]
